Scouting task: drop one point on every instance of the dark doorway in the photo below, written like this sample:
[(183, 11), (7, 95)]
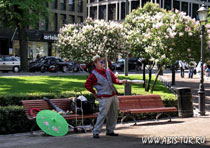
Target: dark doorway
[(4, 46), (49, 49)]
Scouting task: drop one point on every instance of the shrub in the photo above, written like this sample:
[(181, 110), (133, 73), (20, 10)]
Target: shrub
[(13, 120)]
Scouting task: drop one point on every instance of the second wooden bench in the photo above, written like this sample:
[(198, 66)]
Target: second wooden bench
[(130, 105)]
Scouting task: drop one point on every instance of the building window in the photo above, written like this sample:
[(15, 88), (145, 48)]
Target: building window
[(62, 20), (167, 4), (92, 1), (93, 12), (102, 12), (62, 4), (80, 19), (194, 11), (43, 24), (144, 2), (80, 6), (71, 5), (185, 7), (112, 12), (53, 22), (177, 5), (122, 10), (34, 48), (134, 4), (71, 19), (54, 4)]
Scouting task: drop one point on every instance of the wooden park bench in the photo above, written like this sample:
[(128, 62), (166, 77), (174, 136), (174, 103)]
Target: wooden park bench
[(63, 103), (131, 105)]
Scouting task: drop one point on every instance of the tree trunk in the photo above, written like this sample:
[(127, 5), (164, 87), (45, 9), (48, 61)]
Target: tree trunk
[(144, 73), (150, 77), (173, 75), (23, 41), (89, 67), (158, 73), (161, 72)]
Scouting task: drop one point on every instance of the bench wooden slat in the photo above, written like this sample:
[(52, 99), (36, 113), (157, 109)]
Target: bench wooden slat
[(143, 104), (149, 110), (135, 102), (74, 116)]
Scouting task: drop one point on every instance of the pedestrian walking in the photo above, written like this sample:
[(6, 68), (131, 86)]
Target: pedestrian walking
[(182, 68), (38, 56), (102, 80), (207, 71), (191, 69)]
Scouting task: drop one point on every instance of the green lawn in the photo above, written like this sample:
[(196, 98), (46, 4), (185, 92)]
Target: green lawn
[(40, 85)]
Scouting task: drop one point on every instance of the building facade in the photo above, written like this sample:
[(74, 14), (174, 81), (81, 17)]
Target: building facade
[(42, 37), (115, 9)]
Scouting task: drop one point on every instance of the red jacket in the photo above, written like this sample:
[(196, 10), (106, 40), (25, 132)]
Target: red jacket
[(92, 80)]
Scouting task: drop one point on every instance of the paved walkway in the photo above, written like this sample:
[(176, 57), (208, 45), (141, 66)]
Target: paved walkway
[(181, 132), (193, 84)]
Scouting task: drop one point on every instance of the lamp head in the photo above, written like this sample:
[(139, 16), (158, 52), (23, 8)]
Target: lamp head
[(203, 12)]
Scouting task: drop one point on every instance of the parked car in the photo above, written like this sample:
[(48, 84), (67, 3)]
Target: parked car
[(9, 63), (133, 64), (52, 64), (76, 67)]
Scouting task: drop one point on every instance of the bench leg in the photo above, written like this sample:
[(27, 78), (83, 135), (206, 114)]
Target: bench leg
[(169, 117), (32, 128), (159, 114), (128, 115), (123, 118)]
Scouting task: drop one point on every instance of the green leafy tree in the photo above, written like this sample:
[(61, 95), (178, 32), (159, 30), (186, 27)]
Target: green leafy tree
[(20, 14)]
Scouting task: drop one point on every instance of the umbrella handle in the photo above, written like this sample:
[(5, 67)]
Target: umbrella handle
[(59, 110), (32, 113)]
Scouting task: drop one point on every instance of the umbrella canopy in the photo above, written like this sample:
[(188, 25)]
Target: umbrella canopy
[(52, 123)]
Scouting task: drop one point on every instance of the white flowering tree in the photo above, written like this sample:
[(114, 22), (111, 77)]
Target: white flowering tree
[(138, 23), (94, 37), (163, 36)]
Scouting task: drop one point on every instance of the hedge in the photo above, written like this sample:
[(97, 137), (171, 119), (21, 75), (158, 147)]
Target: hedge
[(13, 120)]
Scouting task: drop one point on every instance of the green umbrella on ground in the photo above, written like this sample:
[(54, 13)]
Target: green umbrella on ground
[(52, 123)]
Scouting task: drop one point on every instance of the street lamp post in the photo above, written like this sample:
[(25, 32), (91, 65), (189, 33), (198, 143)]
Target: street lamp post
[(127, 88), (203, 13)]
